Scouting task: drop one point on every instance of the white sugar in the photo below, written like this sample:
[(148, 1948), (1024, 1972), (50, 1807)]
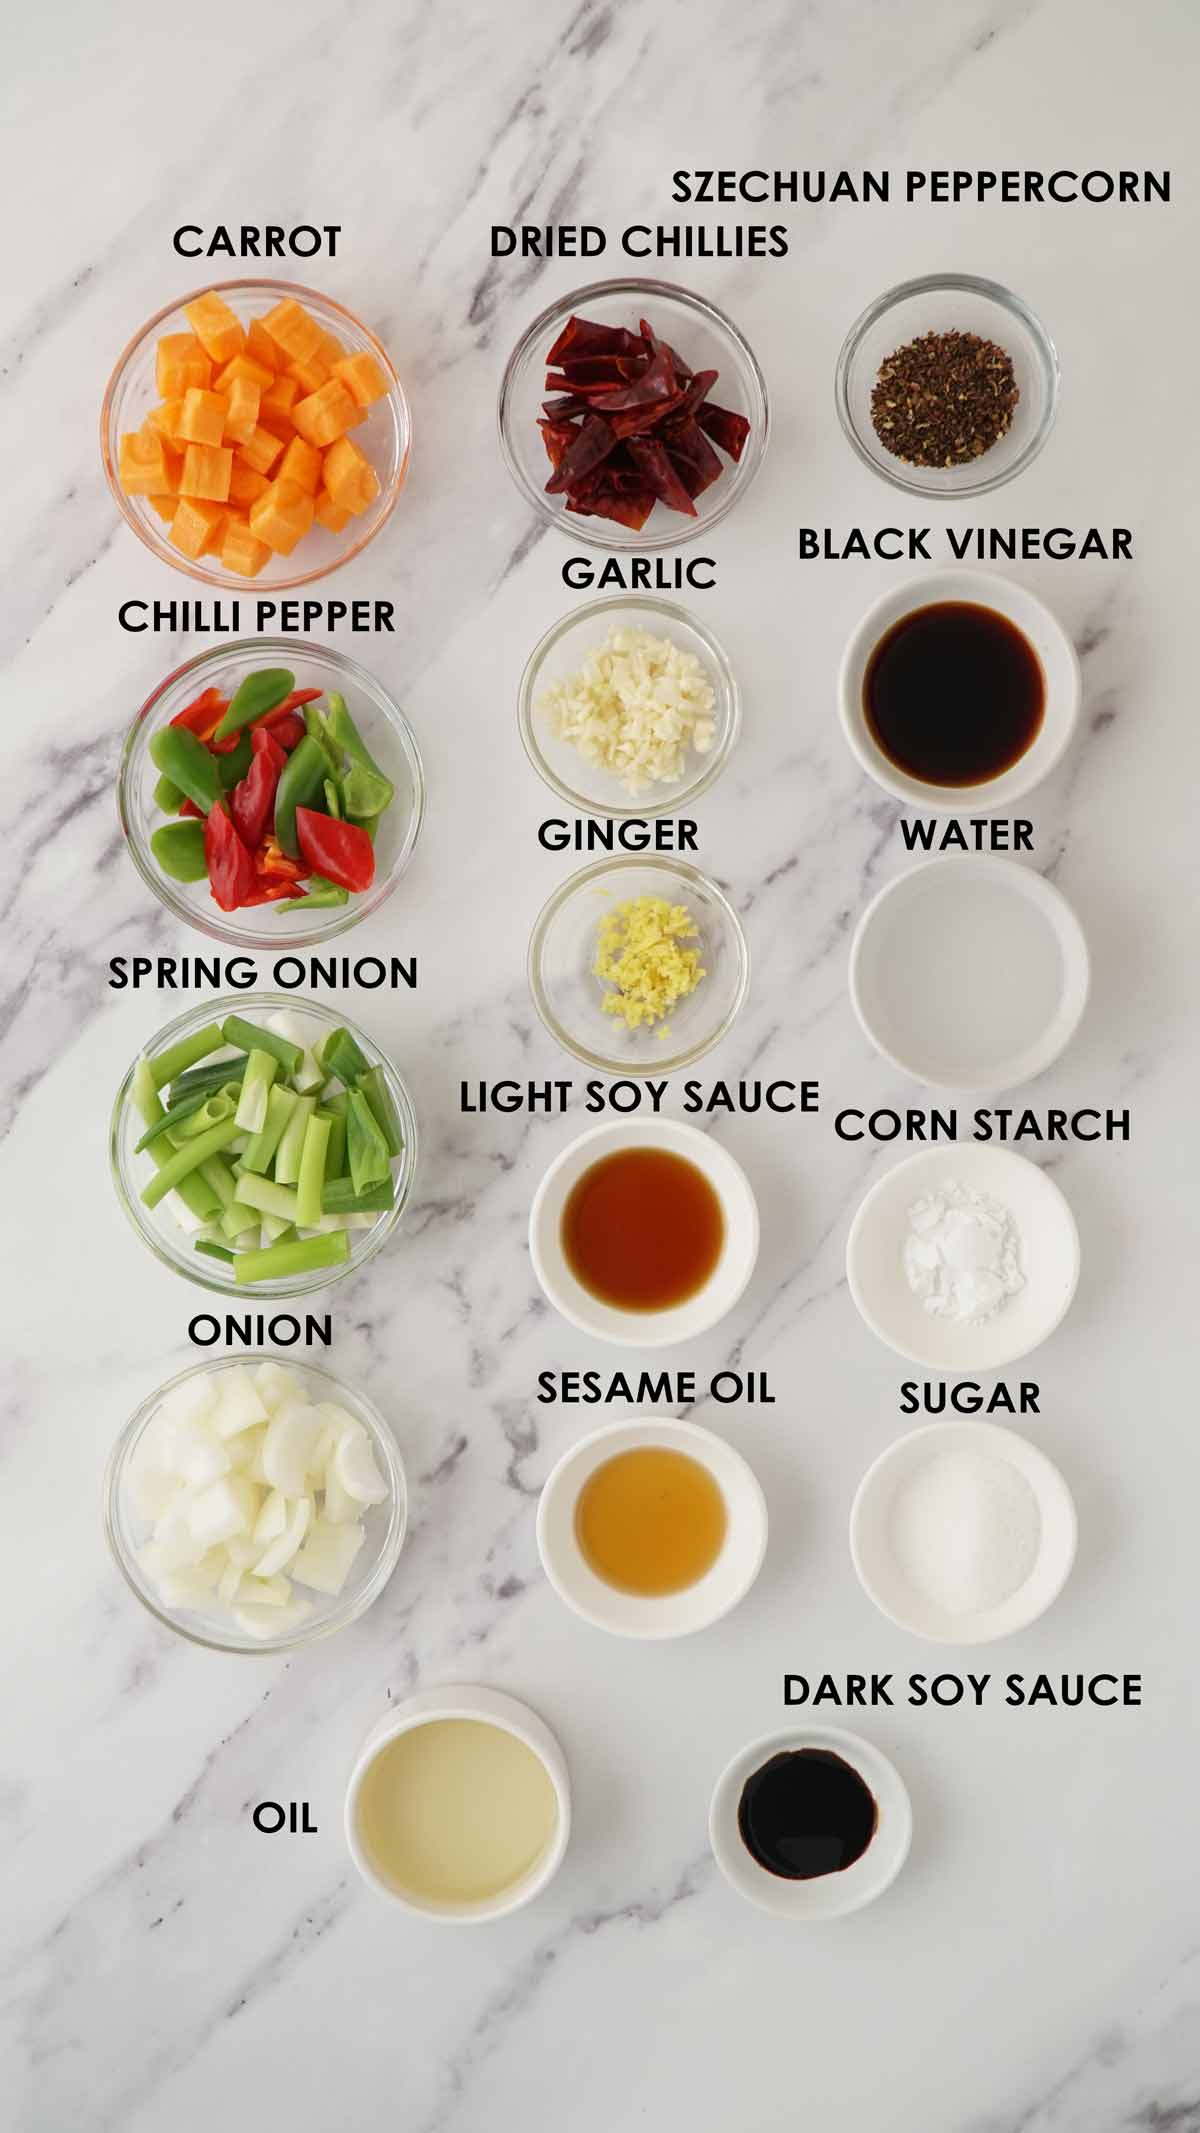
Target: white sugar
[(965, 1530)]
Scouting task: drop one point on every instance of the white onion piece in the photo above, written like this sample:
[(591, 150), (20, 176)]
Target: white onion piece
[(276, 1386), (325, 1560), (265, 1622), (230, 1506), (272, 1518), (291, 1435), (282, 1550), (354, 1465), (239, 1405)]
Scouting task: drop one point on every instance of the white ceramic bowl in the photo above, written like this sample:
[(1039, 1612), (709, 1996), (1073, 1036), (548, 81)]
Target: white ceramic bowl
[(493, 1708), (1049, 1260), (830, 1895), (882, 1577), (680, 1322), (1060, 670), (672, 1614), (969, 973)]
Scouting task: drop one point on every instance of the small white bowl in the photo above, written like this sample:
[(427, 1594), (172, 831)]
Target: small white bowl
[(1060, 670), (1049, 1260), (969, 973), (671, 1614), (493, 1708), (680, 1322), (829, 1895), (882, 1578)]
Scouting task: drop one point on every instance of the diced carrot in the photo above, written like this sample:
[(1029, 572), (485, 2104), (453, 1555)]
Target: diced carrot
[(240, 551), (244, 484), (243, 366), (164, 505), (241, 415), (331, 350), (216, 327), (332, 516), (165, 418), (142, 466), (326, 414), (308, 375), (280, 396), (301, 463), (206, 472), (180, 361), (293, 329), (174, 464), (203, 417), (197, 527), (364, 377), (349, 476), (260, 450), (282, 516), (260, 347)]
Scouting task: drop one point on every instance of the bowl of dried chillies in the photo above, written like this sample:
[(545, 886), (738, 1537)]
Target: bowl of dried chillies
[(633, 415), (271, 793)]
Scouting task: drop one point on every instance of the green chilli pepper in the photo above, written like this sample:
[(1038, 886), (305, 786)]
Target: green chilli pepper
[(179, 850), (188, 764), (167, 796), (232, 768), (301, 784), (373, 792), (253, 697)]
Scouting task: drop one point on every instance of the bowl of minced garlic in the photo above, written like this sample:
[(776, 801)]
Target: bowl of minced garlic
[(628, 706), (638, 966)]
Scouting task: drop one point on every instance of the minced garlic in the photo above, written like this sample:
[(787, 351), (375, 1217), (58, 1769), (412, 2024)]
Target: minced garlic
[(635, 707), (640, 951)]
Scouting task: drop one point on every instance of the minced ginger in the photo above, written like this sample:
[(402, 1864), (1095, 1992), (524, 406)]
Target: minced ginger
[(640, 951)]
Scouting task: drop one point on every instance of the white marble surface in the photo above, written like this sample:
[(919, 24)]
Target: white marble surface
[(1036, 1967)]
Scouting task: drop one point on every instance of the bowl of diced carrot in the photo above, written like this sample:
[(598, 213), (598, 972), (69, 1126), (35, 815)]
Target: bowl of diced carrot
[(255, 430)]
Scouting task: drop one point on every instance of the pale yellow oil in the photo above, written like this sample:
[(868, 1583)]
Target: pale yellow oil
[(455, 1812)]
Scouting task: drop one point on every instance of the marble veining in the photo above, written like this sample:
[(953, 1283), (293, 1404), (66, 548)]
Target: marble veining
[(1035, 1969)]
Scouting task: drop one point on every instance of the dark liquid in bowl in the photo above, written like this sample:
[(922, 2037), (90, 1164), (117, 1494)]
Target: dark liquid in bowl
[(954, 694), (642, 1229), (806, 1813)]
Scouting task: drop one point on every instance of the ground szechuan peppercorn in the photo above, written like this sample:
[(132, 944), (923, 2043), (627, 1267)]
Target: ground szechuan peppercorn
[(944, 399)]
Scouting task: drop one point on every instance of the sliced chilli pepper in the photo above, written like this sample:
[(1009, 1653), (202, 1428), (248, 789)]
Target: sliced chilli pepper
[(252, 802), (230, 866), (203, 715), (302, 782), (273, 893), (176, 751), (232, 768), (339, 851), (190, 809), (293, 702), (273, 864), (263, 690), (287, 730)]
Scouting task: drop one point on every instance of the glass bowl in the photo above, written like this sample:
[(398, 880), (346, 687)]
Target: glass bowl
[(385, 436), (562, 651), (706, 340), (567, 995), (384, 1523), (386, 732), (944, 303), (157, 1227)]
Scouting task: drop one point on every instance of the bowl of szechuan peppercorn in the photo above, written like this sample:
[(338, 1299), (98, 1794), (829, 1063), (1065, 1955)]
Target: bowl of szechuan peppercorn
[(947, 386)]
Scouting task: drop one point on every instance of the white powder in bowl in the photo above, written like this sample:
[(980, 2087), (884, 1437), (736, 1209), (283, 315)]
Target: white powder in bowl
[(965, 1529), (962, 1254)]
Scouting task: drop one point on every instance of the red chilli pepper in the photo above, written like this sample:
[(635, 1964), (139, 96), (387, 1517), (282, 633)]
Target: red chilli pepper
[(190, 811), (272, 864), (230, 866), (203, 715), (339, 850), (289, 730), (252, 801), (272, 892)]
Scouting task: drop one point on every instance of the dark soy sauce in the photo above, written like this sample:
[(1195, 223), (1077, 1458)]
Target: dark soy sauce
[(954, 694), (806, 1813)]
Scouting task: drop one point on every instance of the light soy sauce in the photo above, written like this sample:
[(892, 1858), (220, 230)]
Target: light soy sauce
[(954, 694), (642, 1229), (806, 1813)]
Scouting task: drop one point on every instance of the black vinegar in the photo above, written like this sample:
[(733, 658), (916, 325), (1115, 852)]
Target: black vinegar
[(806, 1813), (954, 694)]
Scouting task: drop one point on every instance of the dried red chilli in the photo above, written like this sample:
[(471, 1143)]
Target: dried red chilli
[(628, 424)]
